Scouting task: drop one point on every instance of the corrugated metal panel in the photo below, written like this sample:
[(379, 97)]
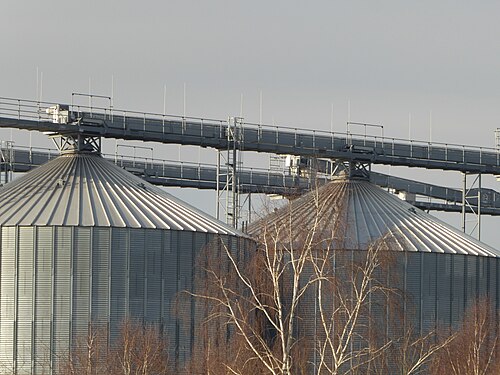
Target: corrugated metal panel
[(87, 190), (482, 277), (429, 292), (136, 274), (170, 287), (199, 312), (458, 285), (7, 296), (81, 282), (471, 282), (413, 288), (443, 292), (492, 282), (62, 290), (68, 277), (185, 253), (366, 213), (25, 298), (43, 299), (120, 246), (153, 275), (101, 248)]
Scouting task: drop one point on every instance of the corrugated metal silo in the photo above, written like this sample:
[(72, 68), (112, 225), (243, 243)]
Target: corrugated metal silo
[(440, 269), (84, 241)]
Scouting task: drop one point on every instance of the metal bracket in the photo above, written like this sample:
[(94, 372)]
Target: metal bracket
[(71, 143)]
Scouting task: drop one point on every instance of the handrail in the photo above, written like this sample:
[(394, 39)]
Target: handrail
[(268, 135), (303, 131)]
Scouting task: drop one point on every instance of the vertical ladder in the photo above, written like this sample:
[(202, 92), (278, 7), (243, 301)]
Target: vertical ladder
[(227, 175), (6, 160)]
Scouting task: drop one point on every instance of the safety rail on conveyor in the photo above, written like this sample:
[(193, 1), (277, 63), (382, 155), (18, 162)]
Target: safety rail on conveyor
[(130, 125), (255, 180)]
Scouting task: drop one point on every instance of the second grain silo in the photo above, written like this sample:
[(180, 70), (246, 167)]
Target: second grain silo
[(438, 270)]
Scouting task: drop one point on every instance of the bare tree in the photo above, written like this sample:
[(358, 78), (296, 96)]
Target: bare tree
[(411, 353), (476, 348), (88, 355), (299, 302), (139, 350)]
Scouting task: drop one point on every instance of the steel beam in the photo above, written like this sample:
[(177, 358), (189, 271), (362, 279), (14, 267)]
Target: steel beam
[(111, 123)]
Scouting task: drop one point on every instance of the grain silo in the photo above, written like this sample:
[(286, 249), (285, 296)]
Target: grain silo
[(441, 270), (84, 241)]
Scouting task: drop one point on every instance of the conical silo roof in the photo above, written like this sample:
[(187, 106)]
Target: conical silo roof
[(84, 189), (364, 213)]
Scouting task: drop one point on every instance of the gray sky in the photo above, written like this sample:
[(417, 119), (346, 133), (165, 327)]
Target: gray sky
[(388, 58)]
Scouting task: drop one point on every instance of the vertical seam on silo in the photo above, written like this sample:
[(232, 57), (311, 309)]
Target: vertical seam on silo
[(478, 272), (452, 289), (162, 285), (71, 282), (110, 260), (466, 277), (191, 334), (421, 312), (52, 291), (487, 269), (90, 280), (177, 351), (145, 251), (405, 288), (127, 270), (33, 296), (436, 290), (497, 286), (16, 299)]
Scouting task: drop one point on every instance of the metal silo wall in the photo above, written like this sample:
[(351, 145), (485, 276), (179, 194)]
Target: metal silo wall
[(414, 288), (56, 281), (82, 266), (44, 255), (443, 289), (120, 239), (62, 291), (458, 285), (428, 312)]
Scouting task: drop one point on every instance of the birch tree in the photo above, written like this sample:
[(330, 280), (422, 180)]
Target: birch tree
[(264, 298)]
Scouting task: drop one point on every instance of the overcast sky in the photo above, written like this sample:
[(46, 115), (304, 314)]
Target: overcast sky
[(390, 59)]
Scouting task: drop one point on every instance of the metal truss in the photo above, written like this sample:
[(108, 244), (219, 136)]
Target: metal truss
[(77, 143), (472, 200), (351, 169)]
